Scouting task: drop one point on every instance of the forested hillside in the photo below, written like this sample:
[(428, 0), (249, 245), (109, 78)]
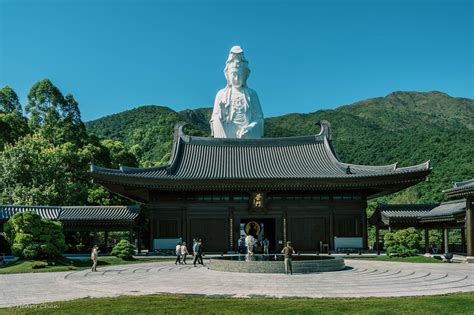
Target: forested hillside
[(404, 127)]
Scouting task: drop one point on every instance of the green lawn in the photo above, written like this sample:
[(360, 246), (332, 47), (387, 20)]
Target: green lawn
[(462, 303), (412, 259), (23, 266)]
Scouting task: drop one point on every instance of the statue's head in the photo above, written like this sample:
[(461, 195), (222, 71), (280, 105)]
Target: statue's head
[(236, 69)]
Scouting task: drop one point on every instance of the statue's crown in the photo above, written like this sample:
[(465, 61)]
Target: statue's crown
[(236, 50), (236, 56)]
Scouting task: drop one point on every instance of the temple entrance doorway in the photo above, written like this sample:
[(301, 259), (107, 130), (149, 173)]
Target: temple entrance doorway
[(259, 228)]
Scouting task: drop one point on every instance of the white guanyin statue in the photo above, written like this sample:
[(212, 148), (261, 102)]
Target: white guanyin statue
[(237, 112)]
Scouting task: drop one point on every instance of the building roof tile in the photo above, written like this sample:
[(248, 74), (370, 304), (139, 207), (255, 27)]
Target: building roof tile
[(75, 214), (292, 158)]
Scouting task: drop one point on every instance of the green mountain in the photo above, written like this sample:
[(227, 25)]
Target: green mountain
[(404, 127)]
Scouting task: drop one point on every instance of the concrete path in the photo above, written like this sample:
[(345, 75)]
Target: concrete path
[(361, 279)]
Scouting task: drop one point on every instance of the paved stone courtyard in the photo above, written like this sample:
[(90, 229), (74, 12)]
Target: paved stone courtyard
[(361, 279)]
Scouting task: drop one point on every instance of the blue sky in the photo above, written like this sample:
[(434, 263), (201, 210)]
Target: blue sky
[(304, 55)]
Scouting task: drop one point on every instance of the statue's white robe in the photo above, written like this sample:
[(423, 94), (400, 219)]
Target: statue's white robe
[(223, 115)]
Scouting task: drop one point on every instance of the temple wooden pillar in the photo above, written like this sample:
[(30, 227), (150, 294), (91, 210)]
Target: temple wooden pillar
[(427, 241), (377, 240), (445, 240), (139, 242), (151, 231), (463, 240), (231, 229), (331, 230), (470, 226), (106, 241), (364, 230)]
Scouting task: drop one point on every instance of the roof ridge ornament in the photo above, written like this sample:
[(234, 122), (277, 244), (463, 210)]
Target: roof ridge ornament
[(179, 129), (325, 129)]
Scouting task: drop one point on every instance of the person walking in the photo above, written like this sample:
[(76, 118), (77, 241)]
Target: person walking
[(201, 252), (288, 252), (94, 257), (184, 252), (198, 253), (266, 244), (178, 253)]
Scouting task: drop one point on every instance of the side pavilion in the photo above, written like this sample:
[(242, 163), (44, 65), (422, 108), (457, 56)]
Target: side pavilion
[(454, 214), (81, 218)]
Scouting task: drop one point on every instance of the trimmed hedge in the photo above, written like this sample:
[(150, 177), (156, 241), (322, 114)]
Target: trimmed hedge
[(124, 249)]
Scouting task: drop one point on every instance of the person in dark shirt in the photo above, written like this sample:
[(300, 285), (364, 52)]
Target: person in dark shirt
[(197, 249), (288, 252)]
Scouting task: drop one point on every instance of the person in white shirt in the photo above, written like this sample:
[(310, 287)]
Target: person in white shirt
[(94, 255), (184, 252), (178, 254)]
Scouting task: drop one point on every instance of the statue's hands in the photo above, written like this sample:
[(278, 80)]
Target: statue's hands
[(224, 112), (243, 131)]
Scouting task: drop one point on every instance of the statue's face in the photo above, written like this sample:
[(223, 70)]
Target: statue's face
[(237, 76)]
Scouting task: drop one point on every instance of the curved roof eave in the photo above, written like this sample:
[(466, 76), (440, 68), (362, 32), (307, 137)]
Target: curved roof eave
[(343, 170)]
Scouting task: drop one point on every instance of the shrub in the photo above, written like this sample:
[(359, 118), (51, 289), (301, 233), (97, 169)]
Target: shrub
[(32, 237), (403, 243), (38, 264), (124, 249)]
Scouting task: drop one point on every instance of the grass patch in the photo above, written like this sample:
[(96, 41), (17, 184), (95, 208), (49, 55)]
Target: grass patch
[(25, 266), (461, 303), (410, 259)]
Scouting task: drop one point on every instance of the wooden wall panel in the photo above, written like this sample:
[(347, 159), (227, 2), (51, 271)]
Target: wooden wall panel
[(214, 233), (306, 233)]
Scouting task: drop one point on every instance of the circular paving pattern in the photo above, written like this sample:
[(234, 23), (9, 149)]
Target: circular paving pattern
[(360, 279)]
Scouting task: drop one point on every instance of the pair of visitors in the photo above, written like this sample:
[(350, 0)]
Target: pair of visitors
[(288, 252), (94, 257), (197, 252), (178, 254)]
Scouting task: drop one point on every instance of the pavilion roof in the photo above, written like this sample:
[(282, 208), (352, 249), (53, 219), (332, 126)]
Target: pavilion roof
[(406, 214), (292, 162), (78, 215), (461, 189), (400, 213), (446, 211), (48, 212)]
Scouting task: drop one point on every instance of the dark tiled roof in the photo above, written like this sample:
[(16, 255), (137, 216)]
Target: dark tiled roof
[(461, 189), (293, 158), (77, 214), (400, 213), (413, 214), (99, 213), (44, 211), (446, 210)]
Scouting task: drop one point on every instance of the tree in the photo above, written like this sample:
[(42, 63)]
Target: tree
[(12, 123), (34, 171), (119, 155), (12, 126), (404, 242), (56, 117), (9, 101), (32, 237)]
